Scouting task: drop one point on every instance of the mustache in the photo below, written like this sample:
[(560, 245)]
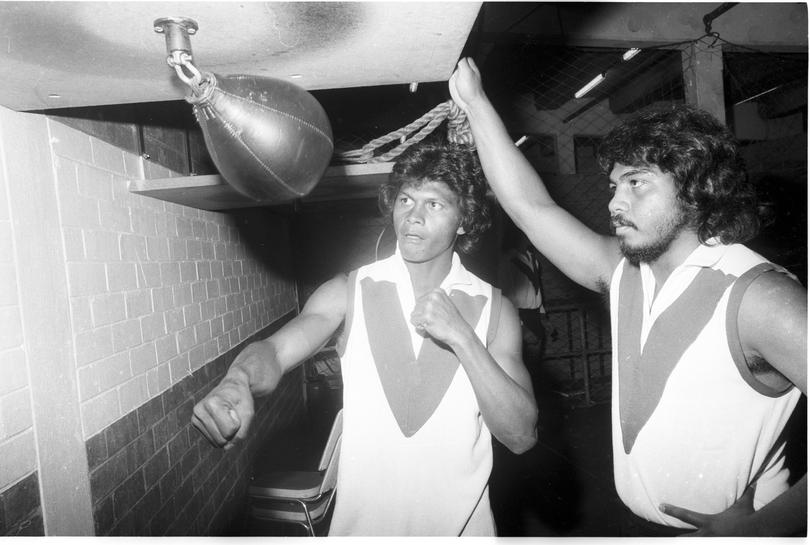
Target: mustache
[(620, 221)]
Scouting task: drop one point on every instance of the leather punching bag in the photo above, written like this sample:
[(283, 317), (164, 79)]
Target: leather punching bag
[(270, 139)]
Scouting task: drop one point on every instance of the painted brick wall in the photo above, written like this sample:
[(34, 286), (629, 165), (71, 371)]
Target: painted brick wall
[(156, 289), (161, 298), (19, 495), (182, 289)]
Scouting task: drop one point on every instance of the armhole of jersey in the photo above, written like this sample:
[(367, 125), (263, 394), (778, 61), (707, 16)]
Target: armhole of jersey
[(494, 314), (340, 346), (733, 334)]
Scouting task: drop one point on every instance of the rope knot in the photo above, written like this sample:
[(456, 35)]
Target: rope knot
[(458, 132), (458, 127)]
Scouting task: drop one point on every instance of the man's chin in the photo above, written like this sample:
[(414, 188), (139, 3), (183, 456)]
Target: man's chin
[(412, 257), (640, 254)]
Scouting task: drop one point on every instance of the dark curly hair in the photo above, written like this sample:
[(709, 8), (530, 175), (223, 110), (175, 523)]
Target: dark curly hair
[(703, 158), (456, 166)]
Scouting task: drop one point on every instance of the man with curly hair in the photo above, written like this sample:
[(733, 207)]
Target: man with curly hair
[(709, 338), (431, 363)]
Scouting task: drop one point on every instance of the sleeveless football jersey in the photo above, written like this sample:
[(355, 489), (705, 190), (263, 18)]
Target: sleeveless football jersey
[(415, 455), (692, 427)]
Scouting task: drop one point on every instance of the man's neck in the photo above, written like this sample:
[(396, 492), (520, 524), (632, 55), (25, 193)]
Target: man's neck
[(676, 254), (429, 275)]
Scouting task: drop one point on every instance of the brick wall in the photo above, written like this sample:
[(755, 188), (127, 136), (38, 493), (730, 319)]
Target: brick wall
[(20, 512), (153, 474), (156, 289), (158, 298), (19, 495)]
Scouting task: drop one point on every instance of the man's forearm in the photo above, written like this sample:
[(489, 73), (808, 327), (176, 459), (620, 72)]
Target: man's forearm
[(515, 182), (256, 368), (509, 410), (785, 515)]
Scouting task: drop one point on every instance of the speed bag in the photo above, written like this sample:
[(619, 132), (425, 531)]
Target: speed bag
[(269, 139)]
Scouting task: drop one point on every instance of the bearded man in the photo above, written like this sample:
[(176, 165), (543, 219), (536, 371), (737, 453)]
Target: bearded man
[(709, 338)]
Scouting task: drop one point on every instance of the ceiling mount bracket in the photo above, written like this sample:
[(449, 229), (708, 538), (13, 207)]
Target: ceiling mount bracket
[(177, 31), (178, 46)]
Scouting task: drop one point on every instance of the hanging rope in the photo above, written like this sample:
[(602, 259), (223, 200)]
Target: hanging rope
[(458, 132)]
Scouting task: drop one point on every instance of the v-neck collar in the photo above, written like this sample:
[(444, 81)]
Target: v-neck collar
[(414, 381), (705, 255)]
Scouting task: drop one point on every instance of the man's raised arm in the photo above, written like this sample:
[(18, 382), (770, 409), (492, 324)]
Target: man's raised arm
[(583, 255)]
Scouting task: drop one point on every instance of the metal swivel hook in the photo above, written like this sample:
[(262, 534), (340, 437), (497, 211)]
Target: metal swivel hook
[(178, 46)]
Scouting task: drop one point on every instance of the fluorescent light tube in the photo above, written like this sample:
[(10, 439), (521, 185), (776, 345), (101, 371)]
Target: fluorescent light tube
[(630, 53), (590, 85)]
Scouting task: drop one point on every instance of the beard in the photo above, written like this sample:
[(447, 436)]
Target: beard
[(665, 232)]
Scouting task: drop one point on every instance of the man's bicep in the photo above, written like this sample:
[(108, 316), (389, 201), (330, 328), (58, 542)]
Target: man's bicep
[(773, 325), (506, 346), (321, 316), (583, 255)]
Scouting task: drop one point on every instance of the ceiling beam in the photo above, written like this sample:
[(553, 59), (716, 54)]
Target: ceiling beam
[(761, 25)]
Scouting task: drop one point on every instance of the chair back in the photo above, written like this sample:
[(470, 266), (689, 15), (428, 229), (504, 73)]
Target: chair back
[(330, 475), (331, 455), (332, 441)]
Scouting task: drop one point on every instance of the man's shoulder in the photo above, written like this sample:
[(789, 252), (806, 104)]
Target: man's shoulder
[(335, 287), (379, 268), (478, 284), (736, 259)]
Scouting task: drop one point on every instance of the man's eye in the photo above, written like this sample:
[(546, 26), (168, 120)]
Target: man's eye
[(435, 205), (612, 188)]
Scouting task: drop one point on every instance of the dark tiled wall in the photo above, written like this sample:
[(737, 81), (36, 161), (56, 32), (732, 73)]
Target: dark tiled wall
[(20, 509), (153, 474)]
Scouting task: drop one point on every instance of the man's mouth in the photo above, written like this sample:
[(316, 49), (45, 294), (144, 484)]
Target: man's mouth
[(617, 222)]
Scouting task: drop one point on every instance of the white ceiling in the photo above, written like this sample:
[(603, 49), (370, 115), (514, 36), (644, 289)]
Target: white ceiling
[(68, 54)]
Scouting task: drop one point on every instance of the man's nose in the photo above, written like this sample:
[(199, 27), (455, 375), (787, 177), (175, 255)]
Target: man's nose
[(416, 215), (618, 203)]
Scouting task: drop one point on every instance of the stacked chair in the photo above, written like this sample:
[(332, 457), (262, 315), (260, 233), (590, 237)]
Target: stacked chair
[(299, 497)]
